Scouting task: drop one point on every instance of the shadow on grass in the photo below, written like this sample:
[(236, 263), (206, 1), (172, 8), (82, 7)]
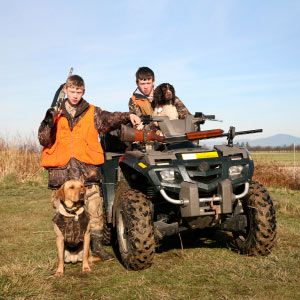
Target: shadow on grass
[(197, 239), (204, 238)]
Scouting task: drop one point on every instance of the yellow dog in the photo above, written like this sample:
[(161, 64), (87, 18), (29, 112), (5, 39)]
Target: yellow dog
[(72, 226)]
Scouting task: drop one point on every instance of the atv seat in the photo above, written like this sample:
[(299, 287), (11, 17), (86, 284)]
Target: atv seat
[(171, 128)]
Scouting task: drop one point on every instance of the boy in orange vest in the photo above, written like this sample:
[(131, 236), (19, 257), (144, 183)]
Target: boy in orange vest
[(71, 150)]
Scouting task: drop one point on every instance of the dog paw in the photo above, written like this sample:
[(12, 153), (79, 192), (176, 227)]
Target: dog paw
[(94, 259), (59, 273), (86, 269)]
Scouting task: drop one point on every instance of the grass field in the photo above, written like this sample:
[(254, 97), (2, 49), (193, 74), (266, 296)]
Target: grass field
[(283, 158), (205, 269)]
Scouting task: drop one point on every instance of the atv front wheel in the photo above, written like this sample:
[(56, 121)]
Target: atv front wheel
[(259, 236), (134, 228)]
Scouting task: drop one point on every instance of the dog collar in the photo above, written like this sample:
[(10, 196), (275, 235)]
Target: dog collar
[(70, 212)]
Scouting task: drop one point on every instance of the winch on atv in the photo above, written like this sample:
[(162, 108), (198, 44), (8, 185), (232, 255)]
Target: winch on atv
[(167, 183)]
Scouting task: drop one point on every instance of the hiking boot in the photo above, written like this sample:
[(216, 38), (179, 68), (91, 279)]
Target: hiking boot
[(103, 255), (97, 247)]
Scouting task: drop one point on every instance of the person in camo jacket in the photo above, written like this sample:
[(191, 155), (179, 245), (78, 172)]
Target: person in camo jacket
[(141, 101), (71, 150)]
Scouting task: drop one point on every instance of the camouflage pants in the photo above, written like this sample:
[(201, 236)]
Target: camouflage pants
[(93, 205)]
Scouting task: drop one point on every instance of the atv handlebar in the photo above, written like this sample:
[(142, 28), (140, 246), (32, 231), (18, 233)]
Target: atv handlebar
[(199, 118), (202, 116), (171, 134)]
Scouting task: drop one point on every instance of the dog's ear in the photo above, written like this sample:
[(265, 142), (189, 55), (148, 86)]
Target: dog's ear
[(157, 96), (60, 193)]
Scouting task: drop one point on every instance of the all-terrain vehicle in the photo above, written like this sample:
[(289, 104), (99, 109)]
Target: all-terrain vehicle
[(168, 183)]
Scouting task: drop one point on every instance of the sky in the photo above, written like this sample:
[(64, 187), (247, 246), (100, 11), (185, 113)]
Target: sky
[(239, 60)]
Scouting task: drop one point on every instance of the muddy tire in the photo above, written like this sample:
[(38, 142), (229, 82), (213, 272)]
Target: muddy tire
[(259, 236), (134, 229)]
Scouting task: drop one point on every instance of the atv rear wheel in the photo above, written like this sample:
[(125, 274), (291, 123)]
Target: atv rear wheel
[(259, 235), (134, 228)]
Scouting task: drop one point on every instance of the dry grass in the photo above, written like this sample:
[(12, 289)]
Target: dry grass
[(276, 175), (278, 169), (287, 202), (20, 160)]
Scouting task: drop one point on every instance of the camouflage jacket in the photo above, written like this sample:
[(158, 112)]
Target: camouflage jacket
[(104, 122), (181, 109), (134, 108)]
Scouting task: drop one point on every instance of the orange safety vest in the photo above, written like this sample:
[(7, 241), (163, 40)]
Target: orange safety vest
[(81, 143), (143, 104)]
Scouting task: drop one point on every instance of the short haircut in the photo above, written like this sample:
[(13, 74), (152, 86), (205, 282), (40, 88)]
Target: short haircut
[(75, 81), (144, 73)]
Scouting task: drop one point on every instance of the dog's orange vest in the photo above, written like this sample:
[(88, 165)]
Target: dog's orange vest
[(81, 143), (143, 104)]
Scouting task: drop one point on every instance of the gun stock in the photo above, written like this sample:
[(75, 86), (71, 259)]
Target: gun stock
[(129, 134), (205, 134)]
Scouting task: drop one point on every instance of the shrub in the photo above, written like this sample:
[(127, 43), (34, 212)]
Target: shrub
[(273, 174)]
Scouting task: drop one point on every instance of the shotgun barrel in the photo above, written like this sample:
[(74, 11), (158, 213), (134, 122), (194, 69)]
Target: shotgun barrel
[(60, 94)]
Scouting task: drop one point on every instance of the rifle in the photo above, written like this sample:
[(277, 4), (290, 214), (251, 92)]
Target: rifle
[(215, 133), (60, 95), (232, 133), (129, 134)]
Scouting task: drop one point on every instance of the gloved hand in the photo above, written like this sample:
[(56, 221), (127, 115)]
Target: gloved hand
[(50, 117)]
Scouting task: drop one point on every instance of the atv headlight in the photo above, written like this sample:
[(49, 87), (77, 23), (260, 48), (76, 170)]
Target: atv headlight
[(234, 172), (167, 175)]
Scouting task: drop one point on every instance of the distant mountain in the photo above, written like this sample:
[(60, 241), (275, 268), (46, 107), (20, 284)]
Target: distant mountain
[(272, 141)]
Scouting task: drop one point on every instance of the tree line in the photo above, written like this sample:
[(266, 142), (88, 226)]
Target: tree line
[(269, 148)]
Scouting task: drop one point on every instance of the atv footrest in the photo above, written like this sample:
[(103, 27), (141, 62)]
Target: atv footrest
[(165, 229), (236, 223)]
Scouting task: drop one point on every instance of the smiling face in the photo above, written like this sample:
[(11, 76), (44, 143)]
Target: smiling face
[(74, 94)]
